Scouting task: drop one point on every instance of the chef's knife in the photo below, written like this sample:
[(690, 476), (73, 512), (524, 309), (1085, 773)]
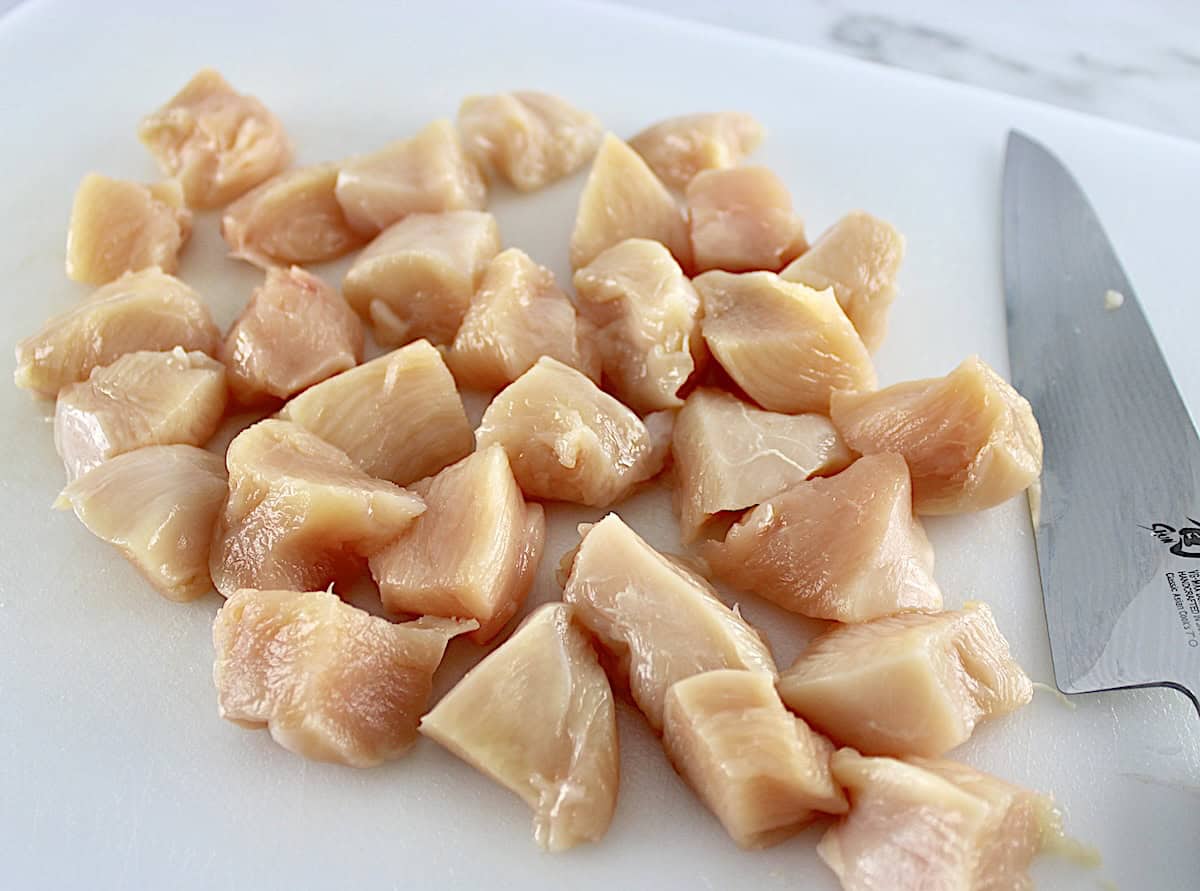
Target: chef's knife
[(1118, 525)]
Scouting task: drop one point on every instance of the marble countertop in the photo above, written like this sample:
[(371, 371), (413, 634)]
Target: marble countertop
[(1137, 62)]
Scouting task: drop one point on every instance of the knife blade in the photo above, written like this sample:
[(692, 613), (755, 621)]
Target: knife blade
[(1117, 544)]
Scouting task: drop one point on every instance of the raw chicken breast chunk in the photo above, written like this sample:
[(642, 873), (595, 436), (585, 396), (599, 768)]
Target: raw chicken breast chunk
[(537, 716), (741, 220), (678, 148)]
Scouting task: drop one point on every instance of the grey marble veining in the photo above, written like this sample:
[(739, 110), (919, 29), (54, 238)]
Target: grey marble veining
[(1137, 62)]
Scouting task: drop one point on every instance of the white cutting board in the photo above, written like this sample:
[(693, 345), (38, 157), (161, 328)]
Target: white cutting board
[(114, 768)]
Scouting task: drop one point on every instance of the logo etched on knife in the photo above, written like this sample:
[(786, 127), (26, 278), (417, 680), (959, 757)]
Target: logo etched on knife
[(1184, 541)]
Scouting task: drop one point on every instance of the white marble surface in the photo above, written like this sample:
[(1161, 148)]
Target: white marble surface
[(1136, 61)]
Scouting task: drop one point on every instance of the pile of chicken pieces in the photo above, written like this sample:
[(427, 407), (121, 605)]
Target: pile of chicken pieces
[(705, 336)]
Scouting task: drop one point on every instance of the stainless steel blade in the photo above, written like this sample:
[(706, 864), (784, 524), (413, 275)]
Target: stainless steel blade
[(1118, 548)]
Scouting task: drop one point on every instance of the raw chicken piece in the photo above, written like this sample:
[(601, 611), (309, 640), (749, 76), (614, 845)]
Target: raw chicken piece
[(741, 220), (537, 716), (157, 506), (293, 217), (300, 513), (845, 548), (142, 399), (428, 173), (518, 315), (621, 199), (567, 439), (858, 257), (417, 278), (971, 441), (786, 345), (118, 227), (730, 455), (474, 551), (647, 315), (918, 825), (912, 684), (398, 416), (760, 769), (215, 141), (657, 621), (678, 148), (295, 331), (145, 310), (530, 138), (329, 681)]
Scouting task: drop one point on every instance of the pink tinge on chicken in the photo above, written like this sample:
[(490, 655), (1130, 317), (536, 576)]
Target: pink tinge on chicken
[(788, 346), (730, 455), (398, 417), (845, 548), (911, 684), (157, 506), (917, 824), (760, 769), (418, 277), (679, 148), (657, 621), (329, 681), (145, 310), (472, 554), (858, 257), (293, 217), (142, 399), (647, 319), (295, 332), (215, 141), (531, 139), (568, 440), (429, 173), (970, 439), (742, 220), (537, 716), (518, 315), (622, 199), (118, 227), (300, 514)]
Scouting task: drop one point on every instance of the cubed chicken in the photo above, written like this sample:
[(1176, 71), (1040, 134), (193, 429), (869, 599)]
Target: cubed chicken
[(568, 440), (537, 716), (295, 331), (217, 142), (157, 506), (912, 684), (472, 554), (300, 514), (329, 681), (759, 768), (529, 138), (788, 346), (858, 257), (742, 220), (970, 439), (646, 313), (518, 315), (293, 217), (398, 417), (845, 548), (679, 148), (917, 825), (418, 277), (142, 399), (145, 310), (730, 455), (621, 199), (657, 621), (119, 226), (429, 173)]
